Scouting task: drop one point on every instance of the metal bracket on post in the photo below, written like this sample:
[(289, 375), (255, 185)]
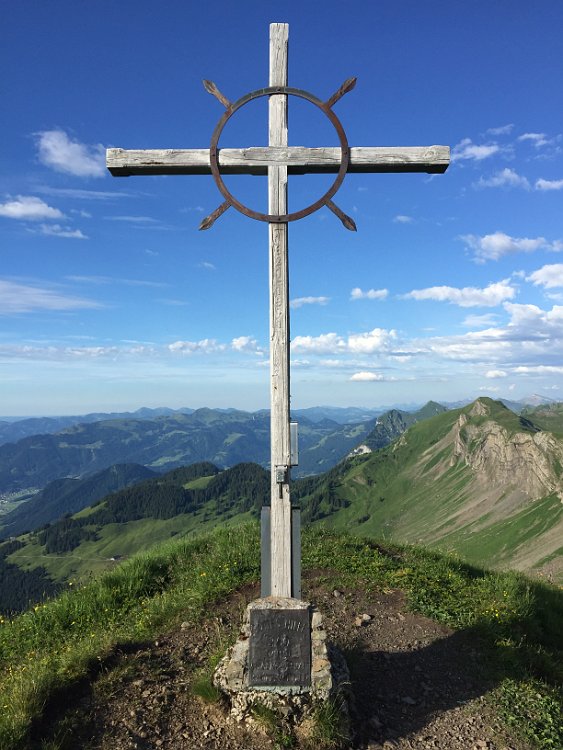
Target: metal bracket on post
[(282, 474)]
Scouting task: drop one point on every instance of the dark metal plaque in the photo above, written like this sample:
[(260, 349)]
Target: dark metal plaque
[(280, 647)]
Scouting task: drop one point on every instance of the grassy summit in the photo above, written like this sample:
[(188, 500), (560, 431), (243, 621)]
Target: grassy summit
[(53, 647)]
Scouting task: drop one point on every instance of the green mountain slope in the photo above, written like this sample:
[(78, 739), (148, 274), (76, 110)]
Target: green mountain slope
[(192, 498), (479, 480), (69, 496), (547, 416)]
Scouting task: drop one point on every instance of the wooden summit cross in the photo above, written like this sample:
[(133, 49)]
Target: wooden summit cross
[(277, 161)]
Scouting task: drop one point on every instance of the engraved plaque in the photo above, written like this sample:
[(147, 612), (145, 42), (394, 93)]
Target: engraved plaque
[(280, 647)]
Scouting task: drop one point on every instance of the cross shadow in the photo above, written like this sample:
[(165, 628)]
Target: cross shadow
[(397, 693)]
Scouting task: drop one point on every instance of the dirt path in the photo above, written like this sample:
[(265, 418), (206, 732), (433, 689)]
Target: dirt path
[(415, 683)]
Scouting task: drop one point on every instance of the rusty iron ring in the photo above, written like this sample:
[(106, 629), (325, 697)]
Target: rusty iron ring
[(278, 218)]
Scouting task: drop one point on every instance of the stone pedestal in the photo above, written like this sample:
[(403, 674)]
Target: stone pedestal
[(281, 659)]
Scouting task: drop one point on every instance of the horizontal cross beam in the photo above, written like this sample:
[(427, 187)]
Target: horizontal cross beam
[(299, 160)]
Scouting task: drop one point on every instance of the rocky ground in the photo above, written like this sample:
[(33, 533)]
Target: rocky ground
[(415, 684)]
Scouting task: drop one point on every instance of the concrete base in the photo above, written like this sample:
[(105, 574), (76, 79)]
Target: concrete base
[(328, 669)]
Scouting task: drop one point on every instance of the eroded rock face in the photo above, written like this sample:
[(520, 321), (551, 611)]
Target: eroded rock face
[(529, 461)]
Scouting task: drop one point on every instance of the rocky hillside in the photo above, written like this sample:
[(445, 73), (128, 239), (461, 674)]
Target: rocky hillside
[(479, 480), (393, 423)]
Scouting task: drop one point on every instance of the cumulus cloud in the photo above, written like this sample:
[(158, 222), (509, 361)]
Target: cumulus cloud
[(491, 296), (550, 276), (358, 293), (467, 150), (402, 219), (204, 346), (246, 344), (379, 339), (326, 343), (369, 342), (21, 298), (542, 184), (367, 377), (63, 154), (505, 178), (300, 301), (29, 208), (493, 374), (496, 245)]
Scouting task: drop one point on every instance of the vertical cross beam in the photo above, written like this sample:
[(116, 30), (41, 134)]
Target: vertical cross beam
[(281, 562)]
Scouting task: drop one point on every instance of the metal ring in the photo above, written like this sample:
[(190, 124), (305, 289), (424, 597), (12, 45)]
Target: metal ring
[(278, 218)]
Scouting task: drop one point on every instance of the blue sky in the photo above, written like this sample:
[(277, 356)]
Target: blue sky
[(110, 297)]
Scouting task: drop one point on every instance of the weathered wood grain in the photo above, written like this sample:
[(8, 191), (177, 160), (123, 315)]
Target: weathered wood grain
[(280, 518), (299, 160)]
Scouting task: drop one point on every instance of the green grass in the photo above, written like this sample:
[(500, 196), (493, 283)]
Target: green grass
[(199, 484), (497, 542), (53, 646), (120, 540)]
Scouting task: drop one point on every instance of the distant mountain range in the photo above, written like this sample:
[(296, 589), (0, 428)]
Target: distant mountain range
[(480, 481), (225, 437)]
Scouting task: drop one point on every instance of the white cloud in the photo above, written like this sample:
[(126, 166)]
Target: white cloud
[(367, 377), (502, 130), (205, 346), (66, 353), (550, 276), (494, 246), (493, 374), (29, 208), (490, 389), (300, 301), (58, 151), (480, 321), (505, 178), (379, 339), (55, 230), (132, 219), (115, 280), (369, 342), (539, 370), (246, 344), (490, 296), (357, 294), (81, 194), (542, 184), (402, 219), (466, 149), (207, 265), (538, 139), (326, 343), (21, 298)]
